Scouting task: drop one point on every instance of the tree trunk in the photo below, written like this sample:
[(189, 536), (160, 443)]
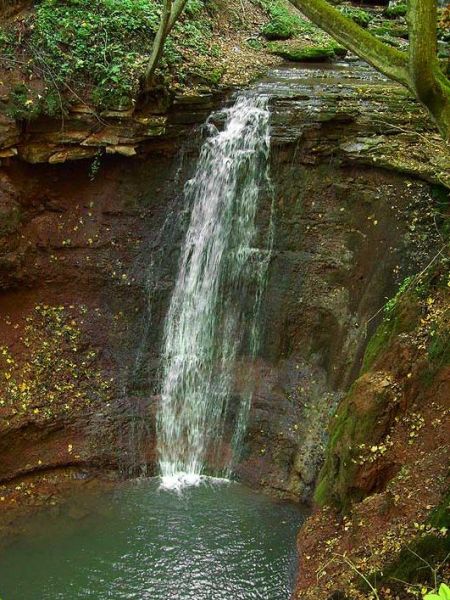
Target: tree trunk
[(169, 16), (389, 61), (417, 70), (430, 85), (158, 44)]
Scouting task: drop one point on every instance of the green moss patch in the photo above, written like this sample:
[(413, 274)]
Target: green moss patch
[(398, 10), (358, 15), (400, 315), (300, 52), (359, 420)]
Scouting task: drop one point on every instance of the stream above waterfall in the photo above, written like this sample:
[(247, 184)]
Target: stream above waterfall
[(216, 541)]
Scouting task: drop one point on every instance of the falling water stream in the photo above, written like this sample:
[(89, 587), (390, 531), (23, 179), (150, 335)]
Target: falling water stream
[(207, 323)]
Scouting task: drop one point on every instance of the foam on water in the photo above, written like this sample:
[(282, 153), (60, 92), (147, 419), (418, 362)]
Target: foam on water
[(180, 481)]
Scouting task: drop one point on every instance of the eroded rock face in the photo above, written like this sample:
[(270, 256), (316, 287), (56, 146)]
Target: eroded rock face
[(341, 247), (98, 242), (382, 496), (75, 255), (346, 236), (85, 134)]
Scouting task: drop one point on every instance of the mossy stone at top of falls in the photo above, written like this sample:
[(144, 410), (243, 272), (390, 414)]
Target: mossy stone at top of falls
[(300, 52)]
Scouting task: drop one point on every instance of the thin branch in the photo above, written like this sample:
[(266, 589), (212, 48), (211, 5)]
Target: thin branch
[(413, 280), (358, 572), (159, 41)]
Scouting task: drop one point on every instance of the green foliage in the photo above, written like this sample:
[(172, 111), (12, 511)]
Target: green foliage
[(99, 44), (443, 593), (6, 42), (26, 104), (391, 28), (254, 43), (94, 167), (97, 50), (208, 75), (393, 302), (444, 25), (283, 24), (278, 28), (397, 10), (358, 15)]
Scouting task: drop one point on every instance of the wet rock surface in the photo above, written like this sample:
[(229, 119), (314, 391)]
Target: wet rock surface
[(343, 242), (103, 237)]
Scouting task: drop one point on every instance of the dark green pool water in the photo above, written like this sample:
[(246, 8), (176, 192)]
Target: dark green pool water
[(214, 542)]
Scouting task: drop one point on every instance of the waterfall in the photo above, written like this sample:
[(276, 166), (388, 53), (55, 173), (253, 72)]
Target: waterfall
[(214, 307)]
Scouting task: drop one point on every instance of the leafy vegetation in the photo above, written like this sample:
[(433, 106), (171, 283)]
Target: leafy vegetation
[(358, 15), (396, 10), (95, 50), (443, 593), (283, 24)]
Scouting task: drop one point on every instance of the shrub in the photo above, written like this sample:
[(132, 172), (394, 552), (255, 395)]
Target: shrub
[(358, 15), (398, 10), (283, 23), (97, 50)]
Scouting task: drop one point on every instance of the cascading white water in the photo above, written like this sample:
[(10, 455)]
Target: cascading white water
[(207, 322)]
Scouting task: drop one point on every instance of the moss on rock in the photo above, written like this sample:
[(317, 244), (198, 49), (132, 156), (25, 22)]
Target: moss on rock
[(366, 414), (300, 52), (363, 417), (399, 318), (358, 15), (397, 10)]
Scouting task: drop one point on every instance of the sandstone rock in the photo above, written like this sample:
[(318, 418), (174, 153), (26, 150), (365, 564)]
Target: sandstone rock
[(12, 151), (123, 150), (36, 153), (9, 131), (82, 109), (75, 153), (107, 136), (118, 114)]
